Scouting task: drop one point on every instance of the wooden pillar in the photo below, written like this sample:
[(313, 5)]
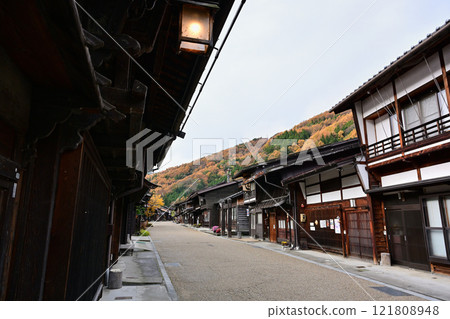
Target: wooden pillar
[(31, 242), (444, 77), (399, 118), (372, 231), (295, 213), (343, 229), (117, 225), (229, 225), (63, 226)]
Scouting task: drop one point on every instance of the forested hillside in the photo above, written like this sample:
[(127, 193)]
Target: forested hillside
[(325, 128)]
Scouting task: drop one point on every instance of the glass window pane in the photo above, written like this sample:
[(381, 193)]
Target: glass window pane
[(436, 243), (447, 211), (433, 212)]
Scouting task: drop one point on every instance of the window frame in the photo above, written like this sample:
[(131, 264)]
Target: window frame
[(445, 227)]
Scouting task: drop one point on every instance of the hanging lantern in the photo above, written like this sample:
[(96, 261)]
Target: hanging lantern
[(196, 23)]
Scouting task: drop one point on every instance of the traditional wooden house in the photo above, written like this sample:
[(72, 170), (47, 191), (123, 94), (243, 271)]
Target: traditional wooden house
[(268, 201), (70, 99), (312, 199), (332, 208), (234, 216), (185, 209), (403, 123), (206, 209)]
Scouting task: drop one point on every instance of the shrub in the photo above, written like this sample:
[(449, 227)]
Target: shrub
[(144, 232)]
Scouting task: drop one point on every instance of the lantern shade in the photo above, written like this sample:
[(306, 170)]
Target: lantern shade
[(195, 28)]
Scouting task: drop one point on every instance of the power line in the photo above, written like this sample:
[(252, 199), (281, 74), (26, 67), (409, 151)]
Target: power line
[(314, 62)]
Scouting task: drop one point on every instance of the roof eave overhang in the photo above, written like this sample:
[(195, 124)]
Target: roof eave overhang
[(413, 56)]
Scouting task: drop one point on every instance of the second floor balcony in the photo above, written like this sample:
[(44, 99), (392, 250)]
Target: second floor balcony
[(410, 137)]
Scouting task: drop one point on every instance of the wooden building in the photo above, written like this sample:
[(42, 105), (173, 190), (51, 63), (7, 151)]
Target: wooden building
[(313, 199), (203, 204), (333, 210), (70, 99), (268, 201), (403, 123), (234, 216)]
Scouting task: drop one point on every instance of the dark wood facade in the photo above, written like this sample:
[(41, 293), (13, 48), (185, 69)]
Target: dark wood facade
[(334, 212), (69, 101), (234, 215), (405, 134)]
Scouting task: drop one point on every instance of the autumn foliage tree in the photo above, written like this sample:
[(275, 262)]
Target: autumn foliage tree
[(180, 181), (155, 202)]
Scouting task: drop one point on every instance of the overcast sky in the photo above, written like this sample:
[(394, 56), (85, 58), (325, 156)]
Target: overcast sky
[(288, 60)]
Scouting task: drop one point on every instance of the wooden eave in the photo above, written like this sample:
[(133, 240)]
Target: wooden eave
[(44, 38), (178, 72), (275, 164), (403, 63)]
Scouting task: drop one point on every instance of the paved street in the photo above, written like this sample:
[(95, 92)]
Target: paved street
[(205, 267)]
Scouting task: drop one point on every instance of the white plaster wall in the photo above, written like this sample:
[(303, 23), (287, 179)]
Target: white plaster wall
[(418, 76), (399, 178), (378, 99), (370, 132), (314, 199), (435, 171), (363, 175), (354, 192), (331, 196), (359, 119), (446, 54)]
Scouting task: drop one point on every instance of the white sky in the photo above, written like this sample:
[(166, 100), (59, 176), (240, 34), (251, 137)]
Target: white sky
[(276, 42)]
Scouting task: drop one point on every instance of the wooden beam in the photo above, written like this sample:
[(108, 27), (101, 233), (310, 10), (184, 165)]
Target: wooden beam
[(399, 118), (372, 230), (444, 76)]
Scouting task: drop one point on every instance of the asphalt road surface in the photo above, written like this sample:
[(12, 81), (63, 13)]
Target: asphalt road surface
[(205, 267)]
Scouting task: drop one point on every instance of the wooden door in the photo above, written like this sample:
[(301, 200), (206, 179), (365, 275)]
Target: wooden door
[(359, 237), (273, 227), (406, 238)]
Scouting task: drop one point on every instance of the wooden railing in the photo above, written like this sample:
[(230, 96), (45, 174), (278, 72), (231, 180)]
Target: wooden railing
[(384, 146), (416, 134), (427, 130)]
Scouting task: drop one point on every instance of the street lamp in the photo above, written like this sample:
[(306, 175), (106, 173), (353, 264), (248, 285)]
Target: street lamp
[(196, 23)]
